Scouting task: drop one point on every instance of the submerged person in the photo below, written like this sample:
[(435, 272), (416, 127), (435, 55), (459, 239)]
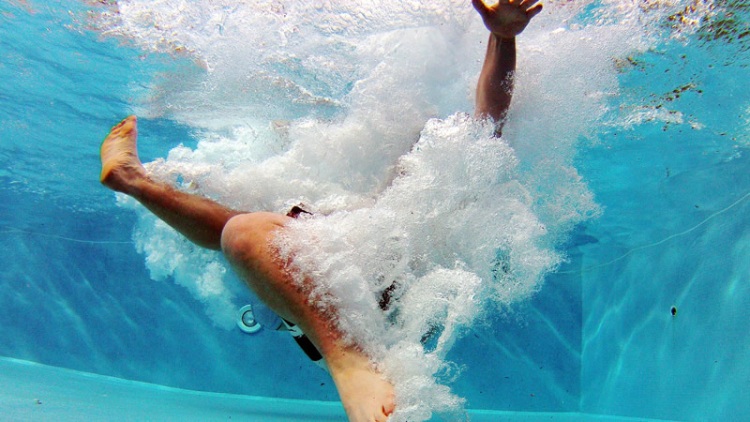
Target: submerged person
[(246, 239)]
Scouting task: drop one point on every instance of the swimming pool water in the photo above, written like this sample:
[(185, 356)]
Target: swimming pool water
[(666, 160)]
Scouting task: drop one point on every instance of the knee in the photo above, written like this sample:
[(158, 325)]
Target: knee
[(244, 232), (236, 233)]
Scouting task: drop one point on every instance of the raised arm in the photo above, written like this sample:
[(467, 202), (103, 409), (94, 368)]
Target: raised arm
[(505, 20)]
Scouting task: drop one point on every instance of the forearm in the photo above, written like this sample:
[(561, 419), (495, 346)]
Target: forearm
[(495, 86)]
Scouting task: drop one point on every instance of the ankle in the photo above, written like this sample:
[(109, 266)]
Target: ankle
[(349, 359), (128, 181)]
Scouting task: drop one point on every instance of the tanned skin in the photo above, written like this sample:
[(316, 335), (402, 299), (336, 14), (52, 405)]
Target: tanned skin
[(246, 239)]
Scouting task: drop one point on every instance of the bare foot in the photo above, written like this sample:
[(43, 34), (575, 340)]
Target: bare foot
[(366, 395), (120, 163)]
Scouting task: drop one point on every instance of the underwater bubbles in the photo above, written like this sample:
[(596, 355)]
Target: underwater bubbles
[(358, 111)]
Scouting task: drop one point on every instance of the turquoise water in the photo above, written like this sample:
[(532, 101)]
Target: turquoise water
[(652, 114)]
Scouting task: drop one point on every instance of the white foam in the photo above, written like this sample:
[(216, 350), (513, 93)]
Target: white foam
[(333, 104)]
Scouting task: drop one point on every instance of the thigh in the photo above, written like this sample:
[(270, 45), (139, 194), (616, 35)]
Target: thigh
[(248, 244)]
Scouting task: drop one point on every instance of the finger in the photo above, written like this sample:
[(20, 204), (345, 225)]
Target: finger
[(480, 7), (526, 4), (534, 11)]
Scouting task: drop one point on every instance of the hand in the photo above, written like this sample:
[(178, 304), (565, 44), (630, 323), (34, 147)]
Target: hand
[(507, 18)]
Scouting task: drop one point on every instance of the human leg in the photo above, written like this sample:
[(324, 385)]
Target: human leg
[(247, 242), (199, 219), (246, 239)]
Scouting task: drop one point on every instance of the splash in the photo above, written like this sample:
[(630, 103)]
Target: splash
[(356, 111)]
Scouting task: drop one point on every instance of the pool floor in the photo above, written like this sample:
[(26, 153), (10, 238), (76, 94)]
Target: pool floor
[(31, 391)]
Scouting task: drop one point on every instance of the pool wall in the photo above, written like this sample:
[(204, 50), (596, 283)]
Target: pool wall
[(665, 327), (600, 337)]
